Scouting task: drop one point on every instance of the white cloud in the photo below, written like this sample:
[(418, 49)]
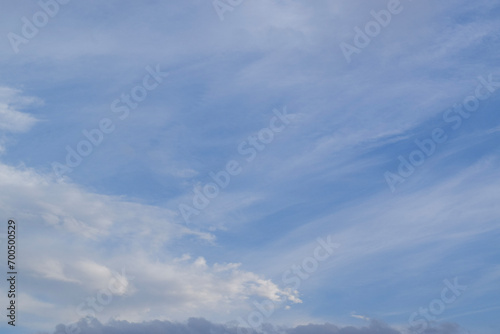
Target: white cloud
[(51, 269), (87, 237), (14, 121), (11, 119)]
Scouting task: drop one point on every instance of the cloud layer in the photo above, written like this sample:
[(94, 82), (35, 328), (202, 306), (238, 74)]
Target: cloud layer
[(202, 326), (108, 241)]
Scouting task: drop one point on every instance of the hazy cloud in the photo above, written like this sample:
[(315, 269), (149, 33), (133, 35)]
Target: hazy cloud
[(203, 326)]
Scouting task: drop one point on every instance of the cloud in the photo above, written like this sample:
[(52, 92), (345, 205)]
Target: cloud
[(11, 119), (322, 175), (202, 326), (102, 235), (358, 316)]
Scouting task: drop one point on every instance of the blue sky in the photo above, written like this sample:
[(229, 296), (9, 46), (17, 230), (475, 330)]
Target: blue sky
[(332, 128)]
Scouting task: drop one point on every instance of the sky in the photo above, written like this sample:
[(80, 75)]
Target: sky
[(237, 166)]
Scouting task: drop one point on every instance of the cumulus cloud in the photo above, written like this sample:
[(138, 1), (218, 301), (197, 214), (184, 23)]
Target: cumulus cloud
[(203, 326), (102, 235)]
